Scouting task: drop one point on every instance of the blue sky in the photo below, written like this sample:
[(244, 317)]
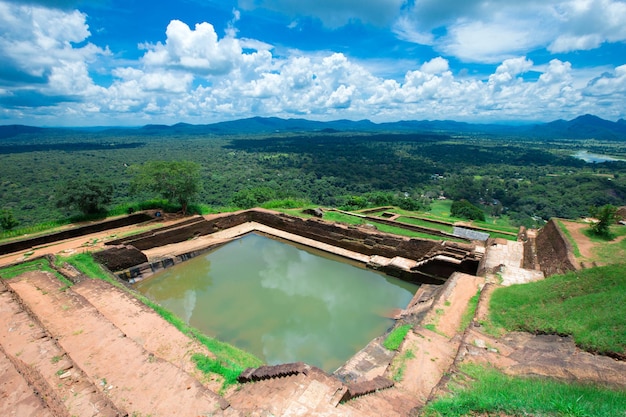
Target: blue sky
[(133, 62)]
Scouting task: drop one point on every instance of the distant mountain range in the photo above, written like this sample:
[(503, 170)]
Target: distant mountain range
[(582, 127)]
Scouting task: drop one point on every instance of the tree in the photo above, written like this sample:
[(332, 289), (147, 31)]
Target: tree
[(89, 195), (466, 210), (176, 181), (7, 221), (606, 216)]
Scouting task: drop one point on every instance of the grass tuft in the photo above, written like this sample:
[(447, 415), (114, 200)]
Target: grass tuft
[(40, 264), (396, 337), (469, 313), (207, 365)]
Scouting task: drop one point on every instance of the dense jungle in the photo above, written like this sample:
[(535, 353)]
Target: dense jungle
[(525, 179)]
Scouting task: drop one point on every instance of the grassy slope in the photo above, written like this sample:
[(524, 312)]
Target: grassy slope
[(574, 304), (481, 391)]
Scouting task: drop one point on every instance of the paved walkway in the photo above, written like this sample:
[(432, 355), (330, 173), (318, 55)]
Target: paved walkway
[(504, 258), (226, 235)]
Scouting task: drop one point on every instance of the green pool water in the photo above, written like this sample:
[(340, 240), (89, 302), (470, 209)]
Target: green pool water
[(281, 302)]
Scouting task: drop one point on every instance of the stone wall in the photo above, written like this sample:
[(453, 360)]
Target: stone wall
[(120, 257), (355, 238), (95, 227), (553, 251), (359, 239)]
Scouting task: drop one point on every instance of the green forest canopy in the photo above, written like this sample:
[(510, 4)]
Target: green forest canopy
[(522, 179)]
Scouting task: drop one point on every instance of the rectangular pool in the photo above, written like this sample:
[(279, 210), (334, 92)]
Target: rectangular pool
[(280, 302)]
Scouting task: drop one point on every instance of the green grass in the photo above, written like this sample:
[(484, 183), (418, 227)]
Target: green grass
[(33, 230), (399, 365), (230, 357), (208, 365), (610, 252), (569, 238), (119, 210), (469, 313), (486, 391), (395, 338), (425, 223), (396, 230), (40, 264), (287, 203), (614, 232), (441, 209), (589, 305)]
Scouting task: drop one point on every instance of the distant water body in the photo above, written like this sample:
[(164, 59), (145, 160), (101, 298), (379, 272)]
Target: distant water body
[(595, 158)]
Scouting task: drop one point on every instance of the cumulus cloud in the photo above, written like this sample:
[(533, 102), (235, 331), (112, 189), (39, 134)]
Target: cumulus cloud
[(484, 31), (587, 24), (197, 50), (608, 83), (196, 76), (40, 58), (333, 13), (331, 86)]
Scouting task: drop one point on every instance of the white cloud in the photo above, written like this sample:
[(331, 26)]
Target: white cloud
[(608, 83), (196, 76), (41, 64), (485, 31), (586, 24), (197, 50), (435, 66)]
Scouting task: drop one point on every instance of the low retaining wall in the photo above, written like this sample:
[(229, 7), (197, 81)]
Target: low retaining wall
[(24, 244), (358, 239)]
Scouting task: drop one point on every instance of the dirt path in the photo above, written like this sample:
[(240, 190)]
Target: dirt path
[(585, 245)]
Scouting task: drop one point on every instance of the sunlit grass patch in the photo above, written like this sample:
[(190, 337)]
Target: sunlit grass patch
[(485, 391), (396, 337), (40, 264), (574, 304)]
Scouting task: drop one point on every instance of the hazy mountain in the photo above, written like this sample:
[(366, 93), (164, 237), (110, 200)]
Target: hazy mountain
[(15, 130), (582, 127)]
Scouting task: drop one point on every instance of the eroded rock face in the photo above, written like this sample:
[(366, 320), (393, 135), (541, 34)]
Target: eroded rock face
[(317, 212), (553, 251), (526, 354), (120, 257)]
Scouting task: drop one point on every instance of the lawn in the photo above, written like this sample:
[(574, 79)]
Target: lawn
[(484, 391), (574, 304), (334, 216)]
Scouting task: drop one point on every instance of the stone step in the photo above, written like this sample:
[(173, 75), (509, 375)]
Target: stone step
[(155, 335), (273, 371), (133, 379), (311, 394), (387, 403), (46, 366), (359, 389), (17, 396)]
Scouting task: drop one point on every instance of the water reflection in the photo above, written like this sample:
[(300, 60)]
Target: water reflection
[(282, 303), (594, 157)]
